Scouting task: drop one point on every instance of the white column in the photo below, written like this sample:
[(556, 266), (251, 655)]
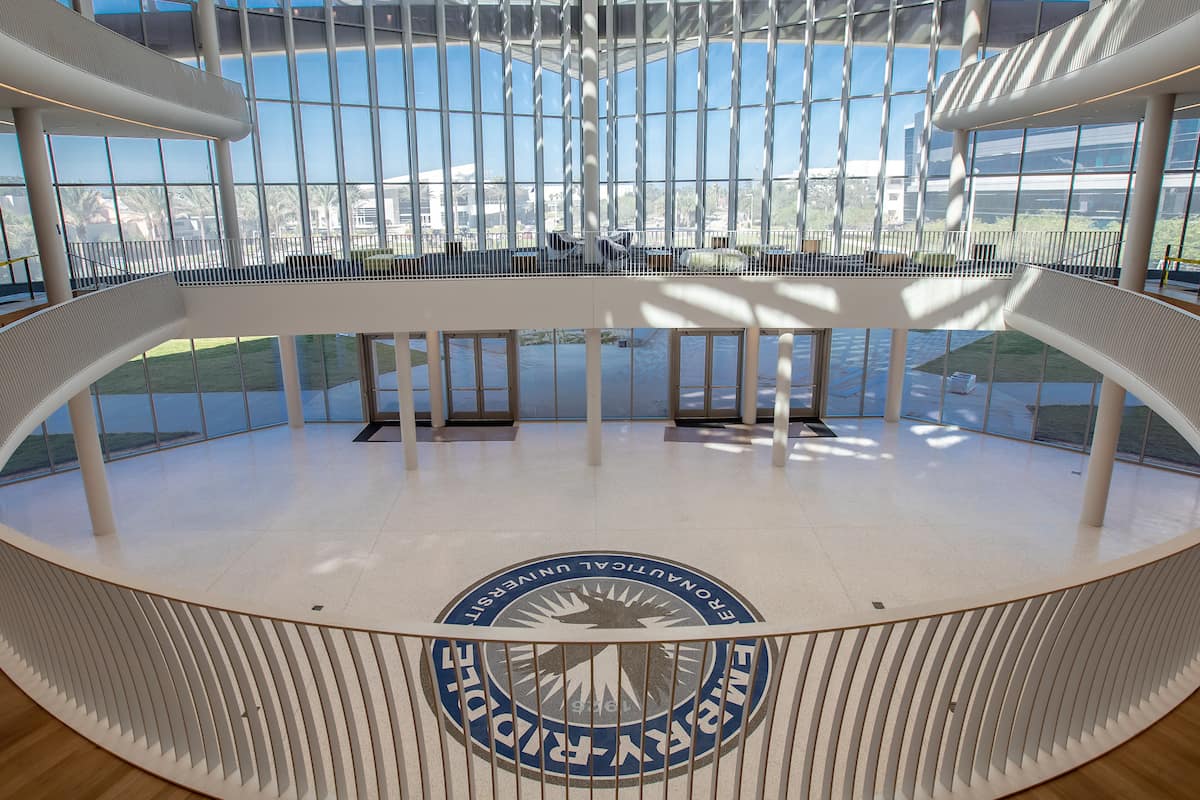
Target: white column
[(1103, 456), (84, 7), (290, 365), (750, 378), (973, 19), (956, 187), (408, 415), (210, 50), (31, 141), (91, 464), (1135, 260), (895, 376), (590, 91), (433, 353), (783, 400), (592, 337)]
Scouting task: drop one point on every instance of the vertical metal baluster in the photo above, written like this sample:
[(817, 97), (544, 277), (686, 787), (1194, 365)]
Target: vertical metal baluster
[(468, 751)]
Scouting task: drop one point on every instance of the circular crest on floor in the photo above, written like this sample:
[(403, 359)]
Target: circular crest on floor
[(600, 711)]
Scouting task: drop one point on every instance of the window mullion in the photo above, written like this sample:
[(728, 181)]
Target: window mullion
[(769, 120), (539, 144), (735, 120), (510, 160), (289, 43), (701, 121), (927, 121), (843, 127), (810, 42), (335, 95), (477, 123), (410, 93), (885, 121), (376, 134), (444, 117)]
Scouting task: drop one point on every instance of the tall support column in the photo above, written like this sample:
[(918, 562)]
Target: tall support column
[(31, 141), (590, 92), (408, 414), (290, 366), (750, 378), (973, 18), (91, 464), (433, 356), (1135, 261), (592, 338), (210, 50), (85, 8), (895, 376), (956, 186), (783, 400)]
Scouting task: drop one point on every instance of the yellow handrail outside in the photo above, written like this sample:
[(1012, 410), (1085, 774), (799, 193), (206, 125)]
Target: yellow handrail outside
[(15, 260)]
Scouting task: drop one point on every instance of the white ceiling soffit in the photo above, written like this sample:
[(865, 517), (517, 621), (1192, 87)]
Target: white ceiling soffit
[(90, 80), (1098, 67)]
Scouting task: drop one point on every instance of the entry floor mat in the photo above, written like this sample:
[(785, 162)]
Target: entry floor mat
[(738, 433), (390, 432)]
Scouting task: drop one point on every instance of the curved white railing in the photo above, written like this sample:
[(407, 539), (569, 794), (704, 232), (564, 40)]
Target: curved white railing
[(50, 356), (1134, 339), (974, 699)]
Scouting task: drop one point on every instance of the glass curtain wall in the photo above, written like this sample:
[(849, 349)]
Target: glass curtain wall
[(552, 370), (1010, 384), (462, 118), (188, 390)]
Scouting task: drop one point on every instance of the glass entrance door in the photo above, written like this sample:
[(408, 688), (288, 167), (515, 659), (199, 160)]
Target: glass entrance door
[(479, 375), (382, 393), (808, 369), (708, 374)]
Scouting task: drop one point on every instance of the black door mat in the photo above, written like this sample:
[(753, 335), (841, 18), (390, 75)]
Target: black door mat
[(738, 433), (390, 432)]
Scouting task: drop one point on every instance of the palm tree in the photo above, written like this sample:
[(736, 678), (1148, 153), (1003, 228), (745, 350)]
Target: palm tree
[(191, 209), (82, 206), (249, 222), (323, 197), (147, 205), (283, 209)]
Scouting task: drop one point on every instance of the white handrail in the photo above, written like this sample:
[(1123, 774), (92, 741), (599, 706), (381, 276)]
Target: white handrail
[(850, 253)]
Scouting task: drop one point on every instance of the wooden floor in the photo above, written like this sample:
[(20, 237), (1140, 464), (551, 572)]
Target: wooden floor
[(42, 759)]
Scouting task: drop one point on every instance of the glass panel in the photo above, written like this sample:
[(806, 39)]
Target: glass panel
[(32, 457), (535, 357), (220, 381), (878, 355), (1069, 389), (616, 371), (173, 387), (969, 371), (342, 371), (263, 378), (493, 354), (125, 406), (650, 372), (726, 360), (383, 373), (143, 213), (136, 160), (925, 364), (1018, 372), (571, 372), (461, 353), (844, 390)]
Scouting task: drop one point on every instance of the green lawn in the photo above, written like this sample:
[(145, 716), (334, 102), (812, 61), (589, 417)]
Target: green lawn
[(30, 456), (1068, 425), (170, 365), (1018, 360)]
